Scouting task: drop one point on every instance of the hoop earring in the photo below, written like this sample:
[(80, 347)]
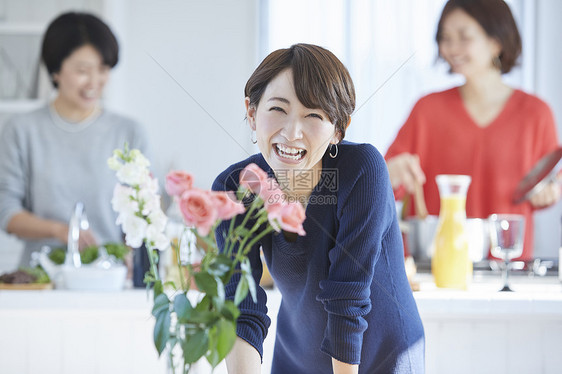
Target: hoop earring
[(254, 141), (334, 155), (497, 63)]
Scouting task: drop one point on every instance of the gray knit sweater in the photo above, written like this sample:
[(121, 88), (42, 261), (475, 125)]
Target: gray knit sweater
[(47, 165)]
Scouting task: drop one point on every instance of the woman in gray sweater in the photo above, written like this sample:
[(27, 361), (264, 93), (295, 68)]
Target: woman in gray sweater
[(56, 156)]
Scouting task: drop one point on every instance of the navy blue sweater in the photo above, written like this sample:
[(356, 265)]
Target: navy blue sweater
[(344, 289)]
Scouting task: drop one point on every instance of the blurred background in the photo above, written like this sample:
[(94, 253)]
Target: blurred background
[(184, 63)]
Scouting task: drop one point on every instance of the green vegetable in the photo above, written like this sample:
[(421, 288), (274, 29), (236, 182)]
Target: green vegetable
[(38, 273), (57, 255), (118, 250), (89, 254)]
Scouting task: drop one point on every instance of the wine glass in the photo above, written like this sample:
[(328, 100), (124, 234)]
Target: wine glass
[(506, 239)]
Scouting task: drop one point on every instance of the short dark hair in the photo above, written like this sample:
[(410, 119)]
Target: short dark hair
[(72, 30), (320, 79), (496, 19)]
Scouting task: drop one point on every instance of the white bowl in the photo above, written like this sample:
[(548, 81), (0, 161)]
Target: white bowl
[(93, 278)]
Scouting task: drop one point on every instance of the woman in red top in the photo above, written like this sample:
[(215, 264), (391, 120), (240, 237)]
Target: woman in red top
[(484, 128)]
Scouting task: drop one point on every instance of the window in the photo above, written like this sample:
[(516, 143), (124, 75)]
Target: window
[(389, 49)]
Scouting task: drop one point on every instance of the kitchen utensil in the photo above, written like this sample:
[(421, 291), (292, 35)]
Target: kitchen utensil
[(421, 232), (506, 237), (540, 175), (419, 201)]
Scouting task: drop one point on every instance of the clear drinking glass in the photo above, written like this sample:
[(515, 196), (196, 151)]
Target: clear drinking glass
[(506, 239)]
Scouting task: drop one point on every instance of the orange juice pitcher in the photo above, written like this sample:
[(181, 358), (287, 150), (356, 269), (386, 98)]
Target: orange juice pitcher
[(450, 263)]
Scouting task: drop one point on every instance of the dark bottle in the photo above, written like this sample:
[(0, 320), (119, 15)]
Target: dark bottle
[(141, 264)]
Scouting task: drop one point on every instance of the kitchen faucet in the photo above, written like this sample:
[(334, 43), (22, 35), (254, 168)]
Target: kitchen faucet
[(78, 221)]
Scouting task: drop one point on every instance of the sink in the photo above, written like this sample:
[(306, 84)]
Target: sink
[(104, 274)]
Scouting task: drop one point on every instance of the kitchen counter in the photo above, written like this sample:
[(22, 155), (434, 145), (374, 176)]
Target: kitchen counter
[(57, 331), (474, 331), (482, 330)]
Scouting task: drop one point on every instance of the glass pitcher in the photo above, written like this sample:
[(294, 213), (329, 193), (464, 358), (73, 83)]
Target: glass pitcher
[(450, 263)]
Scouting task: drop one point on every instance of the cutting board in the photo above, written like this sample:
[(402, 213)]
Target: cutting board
[(26, 286)]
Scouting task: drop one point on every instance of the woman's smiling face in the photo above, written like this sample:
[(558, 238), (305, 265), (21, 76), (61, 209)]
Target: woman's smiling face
[(465, 45), (290, 136), (82, 78)]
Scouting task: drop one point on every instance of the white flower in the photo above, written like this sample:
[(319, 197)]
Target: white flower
[(151, 201), (158, 219), (150, 185), (139, 159), (114, 163), (133, 174), (137, 188), (134, 228), (123, 199), (156, 237)]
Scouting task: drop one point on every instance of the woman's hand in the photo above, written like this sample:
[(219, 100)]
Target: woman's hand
[(29, 226), (405, 170), (547, 196), (85, 239)]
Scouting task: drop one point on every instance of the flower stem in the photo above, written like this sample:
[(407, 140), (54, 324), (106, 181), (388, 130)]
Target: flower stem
[(153, 268), (178, 259), (256, 239)]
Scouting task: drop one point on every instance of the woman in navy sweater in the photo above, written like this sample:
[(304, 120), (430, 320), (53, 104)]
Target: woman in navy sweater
[(347, 306)]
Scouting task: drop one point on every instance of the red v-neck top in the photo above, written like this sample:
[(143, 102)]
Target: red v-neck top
[(448, 141)]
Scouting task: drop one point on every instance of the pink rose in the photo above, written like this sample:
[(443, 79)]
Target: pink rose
[(177, 182), (288, 217), (226, 204), (198, 209), (272, 196), (253, 178)]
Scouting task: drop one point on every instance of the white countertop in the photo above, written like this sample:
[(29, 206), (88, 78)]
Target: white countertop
[(533, 295), (134, 299), (522, 328)]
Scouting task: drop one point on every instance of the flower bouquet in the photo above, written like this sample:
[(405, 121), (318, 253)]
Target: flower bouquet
[(205, 323)]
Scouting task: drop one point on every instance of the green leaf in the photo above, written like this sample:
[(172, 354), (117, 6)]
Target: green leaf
[(220, 266), (221, 340), (251, 286), (202, 312), (158, 288), (242, 192), (241, 291), (206, 283), (182, 306), (171, 284), (245, 266), (162, 331), (204, 304), (221, 296), (205, 318), (226, 336), (161, 304), (212, 355), (230, 310), (247, 275), (241, 231), (196, 344)]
